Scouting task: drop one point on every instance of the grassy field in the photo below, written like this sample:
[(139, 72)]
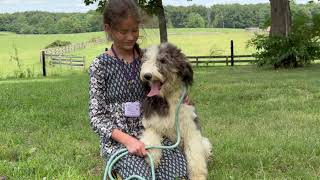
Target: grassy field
[(264, 124), (29, 47), (192, 41)]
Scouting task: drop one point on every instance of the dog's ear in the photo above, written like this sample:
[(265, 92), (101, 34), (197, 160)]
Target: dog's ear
[(181, 62), (186, 72)]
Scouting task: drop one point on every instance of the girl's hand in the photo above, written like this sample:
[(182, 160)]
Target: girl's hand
[(136, 147)]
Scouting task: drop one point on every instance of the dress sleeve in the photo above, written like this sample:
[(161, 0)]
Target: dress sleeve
[(100, 119)]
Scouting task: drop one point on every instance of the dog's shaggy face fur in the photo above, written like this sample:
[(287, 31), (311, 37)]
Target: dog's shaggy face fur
[(165, 69), (164, 64)]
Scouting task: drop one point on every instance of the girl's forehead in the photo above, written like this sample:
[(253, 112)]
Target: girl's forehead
[(129, 22)]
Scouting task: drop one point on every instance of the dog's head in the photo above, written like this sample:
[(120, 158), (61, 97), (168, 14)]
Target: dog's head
[(165, 66)]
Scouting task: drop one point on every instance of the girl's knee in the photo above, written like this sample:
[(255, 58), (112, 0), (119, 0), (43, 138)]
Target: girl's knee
[(133, 165)]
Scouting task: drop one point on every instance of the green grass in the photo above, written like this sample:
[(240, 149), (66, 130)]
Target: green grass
[(29, 47), (195, 41), (263, 124)]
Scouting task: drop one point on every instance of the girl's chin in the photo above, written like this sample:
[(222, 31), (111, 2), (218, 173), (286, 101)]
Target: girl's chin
[(128, 47)]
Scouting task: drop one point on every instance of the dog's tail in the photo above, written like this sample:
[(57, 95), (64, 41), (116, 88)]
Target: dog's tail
[(207, 148)]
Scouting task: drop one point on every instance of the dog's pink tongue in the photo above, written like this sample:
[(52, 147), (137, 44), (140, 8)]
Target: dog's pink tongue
[(155, 89)]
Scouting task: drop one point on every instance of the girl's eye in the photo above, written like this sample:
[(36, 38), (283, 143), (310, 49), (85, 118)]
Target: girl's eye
[(123, 32)]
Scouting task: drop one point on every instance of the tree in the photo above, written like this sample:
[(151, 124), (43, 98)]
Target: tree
[(177, 15), (299, 48), (293, 43), (93, 21), (65, 25), (280, 18), (152, 7), (194, 20)]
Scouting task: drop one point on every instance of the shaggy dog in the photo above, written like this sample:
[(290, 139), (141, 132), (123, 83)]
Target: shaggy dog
[(166, 69)]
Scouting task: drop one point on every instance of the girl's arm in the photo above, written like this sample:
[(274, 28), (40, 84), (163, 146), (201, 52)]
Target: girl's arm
[(100, 120), (133, 145)]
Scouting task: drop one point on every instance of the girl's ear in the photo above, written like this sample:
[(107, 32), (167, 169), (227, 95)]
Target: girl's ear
[(107, 28)]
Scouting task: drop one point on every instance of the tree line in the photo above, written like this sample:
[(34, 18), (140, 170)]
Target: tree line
[(37, 22), (216, 16)]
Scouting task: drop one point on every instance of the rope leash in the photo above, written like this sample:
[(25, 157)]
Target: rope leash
[(122, 152)]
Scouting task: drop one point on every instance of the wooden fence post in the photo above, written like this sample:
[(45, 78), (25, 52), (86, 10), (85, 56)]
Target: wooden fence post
[(232, 54), (70, 59), (43, 59), (84, 63), (197, 61)]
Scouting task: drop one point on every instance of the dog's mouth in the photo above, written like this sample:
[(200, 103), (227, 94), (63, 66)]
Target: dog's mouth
[(155, 87)]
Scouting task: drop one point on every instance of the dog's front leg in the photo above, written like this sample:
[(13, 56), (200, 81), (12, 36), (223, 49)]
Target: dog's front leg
[(197, 165), (151, 138)]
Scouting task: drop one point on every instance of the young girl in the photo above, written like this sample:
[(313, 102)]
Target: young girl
[(114, 80)]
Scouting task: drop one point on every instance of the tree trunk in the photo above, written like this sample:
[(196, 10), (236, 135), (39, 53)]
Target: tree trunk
[(280, 18), (162, 22)]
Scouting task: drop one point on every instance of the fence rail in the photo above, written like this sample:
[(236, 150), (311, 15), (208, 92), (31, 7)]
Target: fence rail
[(212, 60), (74, 47), (76, 61), (228, 60), (61, 60)]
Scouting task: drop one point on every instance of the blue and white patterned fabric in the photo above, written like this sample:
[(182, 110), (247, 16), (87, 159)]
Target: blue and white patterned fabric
[(109, 87)]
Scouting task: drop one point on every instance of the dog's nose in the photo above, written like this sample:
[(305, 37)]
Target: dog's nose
[(147, 76)]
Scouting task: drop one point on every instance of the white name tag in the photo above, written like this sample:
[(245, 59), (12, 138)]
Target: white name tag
[(131, 109)]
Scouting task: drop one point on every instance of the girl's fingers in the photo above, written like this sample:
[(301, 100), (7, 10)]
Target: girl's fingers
[(144, 152), (140, 154)]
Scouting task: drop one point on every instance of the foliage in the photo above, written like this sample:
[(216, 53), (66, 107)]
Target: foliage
[(15, 57), (149, 6), (58, 43), (298, 49), (20, 72), (36, 22), (195, 20)]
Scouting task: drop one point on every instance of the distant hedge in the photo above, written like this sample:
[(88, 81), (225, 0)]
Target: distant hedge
[(58, 43)]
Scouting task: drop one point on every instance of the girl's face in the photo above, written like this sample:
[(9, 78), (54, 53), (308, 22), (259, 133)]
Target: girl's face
[(125, 34)]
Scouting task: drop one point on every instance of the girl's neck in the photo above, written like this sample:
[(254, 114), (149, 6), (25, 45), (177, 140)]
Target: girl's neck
[(125, 54)]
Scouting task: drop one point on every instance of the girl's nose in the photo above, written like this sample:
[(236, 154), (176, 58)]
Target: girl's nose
[(131, 36)]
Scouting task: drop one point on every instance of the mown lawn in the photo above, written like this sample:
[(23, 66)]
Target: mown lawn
[(264, 124)]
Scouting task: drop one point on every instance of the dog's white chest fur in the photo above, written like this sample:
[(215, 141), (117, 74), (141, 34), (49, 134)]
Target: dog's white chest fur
[(166, 125)]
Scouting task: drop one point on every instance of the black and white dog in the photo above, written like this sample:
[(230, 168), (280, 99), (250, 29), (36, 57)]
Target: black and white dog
[(166, 69)]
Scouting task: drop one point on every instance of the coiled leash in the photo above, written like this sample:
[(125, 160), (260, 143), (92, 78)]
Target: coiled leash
[(122, 152)]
